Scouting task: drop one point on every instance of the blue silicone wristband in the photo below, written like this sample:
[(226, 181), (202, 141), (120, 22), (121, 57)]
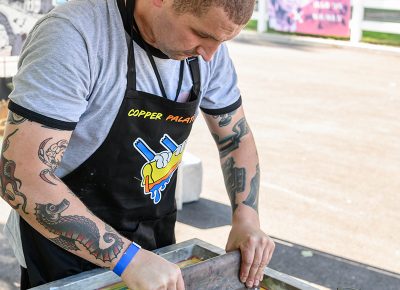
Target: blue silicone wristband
[(126, 258)]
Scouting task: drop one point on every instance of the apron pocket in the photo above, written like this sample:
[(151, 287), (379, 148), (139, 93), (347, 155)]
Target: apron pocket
[(154, 233)]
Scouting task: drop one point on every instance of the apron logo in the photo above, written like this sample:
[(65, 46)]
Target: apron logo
[(159, 168)]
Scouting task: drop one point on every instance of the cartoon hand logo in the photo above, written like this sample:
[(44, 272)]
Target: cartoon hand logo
[(159, 168), (162, 159)]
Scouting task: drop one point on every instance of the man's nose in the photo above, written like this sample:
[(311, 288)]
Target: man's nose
[(207, 52)]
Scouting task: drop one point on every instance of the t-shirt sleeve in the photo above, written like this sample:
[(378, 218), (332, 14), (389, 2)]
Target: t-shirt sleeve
[(53, 79), (222, 94)]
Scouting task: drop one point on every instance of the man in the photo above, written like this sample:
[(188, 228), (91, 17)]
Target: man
[(122, 110)]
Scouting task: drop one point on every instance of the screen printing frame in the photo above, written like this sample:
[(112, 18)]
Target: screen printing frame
[(100, 278)]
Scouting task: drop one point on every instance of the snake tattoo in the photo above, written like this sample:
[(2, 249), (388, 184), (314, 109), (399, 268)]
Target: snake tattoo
[(73, 228), (8, 178)]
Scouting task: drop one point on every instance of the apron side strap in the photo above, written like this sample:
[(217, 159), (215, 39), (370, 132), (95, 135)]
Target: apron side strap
[(194, 67)]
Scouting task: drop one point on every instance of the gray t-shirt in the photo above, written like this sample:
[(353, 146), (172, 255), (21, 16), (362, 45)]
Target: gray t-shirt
[(72, 76)]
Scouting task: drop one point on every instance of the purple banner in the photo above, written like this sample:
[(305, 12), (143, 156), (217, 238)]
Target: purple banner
[(320, 17)]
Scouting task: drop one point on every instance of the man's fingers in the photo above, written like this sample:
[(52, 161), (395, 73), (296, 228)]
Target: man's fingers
[(271, 248), (180, 285), (257, 260), (247, 260), (263, 264), (267, 255)]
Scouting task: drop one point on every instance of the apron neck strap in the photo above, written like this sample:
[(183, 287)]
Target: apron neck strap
[(124, 9), (127, 15)]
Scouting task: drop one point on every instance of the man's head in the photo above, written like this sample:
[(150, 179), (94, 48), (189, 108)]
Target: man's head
[(183, 28)]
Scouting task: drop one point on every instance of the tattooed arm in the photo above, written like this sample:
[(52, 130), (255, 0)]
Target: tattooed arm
[(240, 167), (239, 162), (30, 155)]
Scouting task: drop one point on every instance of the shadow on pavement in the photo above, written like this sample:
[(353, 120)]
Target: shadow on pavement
[(9, 267), (205, 214)]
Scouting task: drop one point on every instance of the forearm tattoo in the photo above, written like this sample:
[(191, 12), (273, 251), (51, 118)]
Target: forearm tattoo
[(229, 143), (51, 157), (252, 198), (72, 229), (110, 228), (225, 119), (235, 180), (10, 185), (15, 119)]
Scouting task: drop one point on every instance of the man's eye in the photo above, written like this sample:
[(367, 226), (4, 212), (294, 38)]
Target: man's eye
[(202, 35)]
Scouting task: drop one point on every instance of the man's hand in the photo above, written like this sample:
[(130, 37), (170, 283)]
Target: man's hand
[(148, 271), (256, 249)]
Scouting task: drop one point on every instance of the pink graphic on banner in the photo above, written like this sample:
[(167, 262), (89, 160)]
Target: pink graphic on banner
[(321, 17)]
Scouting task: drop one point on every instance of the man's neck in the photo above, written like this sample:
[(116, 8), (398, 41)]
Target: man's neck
[(142, 13)]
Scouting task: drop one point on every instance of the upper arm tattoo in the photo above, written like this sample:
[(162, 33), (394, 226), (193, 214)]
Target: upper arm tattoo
[(235, 180), (71, 229), (51, 157), (10, 185), (225, 119), (252, 198), (15, 119), (231, 142)]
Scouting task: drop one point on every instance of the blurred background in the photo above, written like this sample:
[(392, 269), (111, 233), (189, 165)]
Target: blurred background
[(320, 82)]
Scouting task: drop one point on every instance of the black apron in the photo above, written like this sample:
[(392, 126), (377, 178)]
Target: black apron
[(128, 182)]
